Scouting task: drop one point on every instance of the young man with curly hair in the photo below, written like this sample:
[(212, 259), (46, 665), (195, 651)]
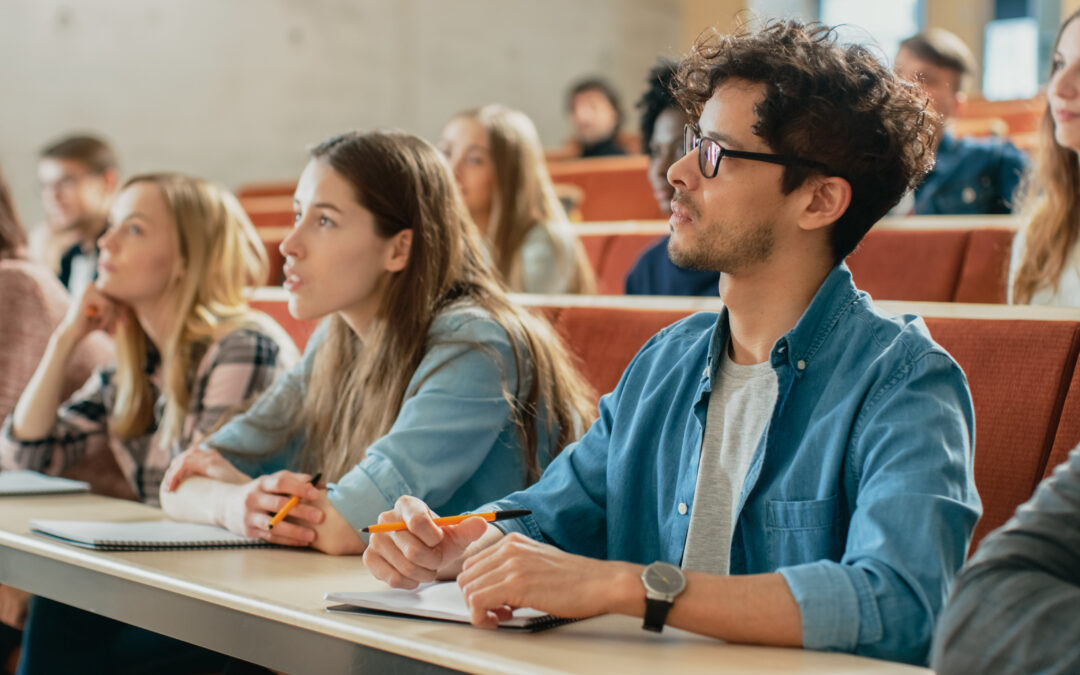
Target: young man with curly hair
[(796, 470)]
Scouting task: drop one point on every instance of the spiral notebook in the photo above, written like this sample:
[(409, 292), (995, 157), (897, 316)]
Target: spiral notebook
[(147, 535), (438, 601)]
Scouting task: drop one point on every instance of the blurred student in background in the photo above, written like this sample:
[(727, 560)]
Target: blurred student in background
[(970, 176), (175, 260), (1045, 267), (596, 117), (78, 176), (32, 303), (662, 122), (499, 167)]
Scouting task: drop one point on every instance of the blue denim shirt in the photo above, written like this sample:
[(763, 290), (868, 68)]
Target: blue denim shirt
[(454, 443), (971, 176), (860, 492)]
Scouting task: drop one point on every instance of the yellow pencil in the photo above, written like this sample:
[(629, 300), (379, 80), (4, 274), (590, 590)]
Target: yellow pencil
[(280, 515)]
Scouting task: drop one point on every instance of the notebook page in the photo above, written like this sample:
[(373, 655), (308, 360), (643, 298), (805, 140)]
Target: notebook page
[(20, 482), (441, 600)]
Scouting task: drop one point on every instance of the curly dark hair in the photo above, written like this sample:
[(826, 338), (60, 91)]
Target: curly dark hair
[(657, 98), (832, 103)]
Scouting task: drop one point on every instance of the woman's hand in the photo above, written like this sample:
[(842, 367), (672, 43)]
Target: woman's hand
[(92, 311), (250, 507), (197, 461)]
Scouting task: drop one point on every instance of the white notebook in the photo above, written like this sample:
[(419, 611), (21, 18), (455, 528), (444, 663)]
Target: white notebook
[(22, 483), (146, 535), (442, 601)]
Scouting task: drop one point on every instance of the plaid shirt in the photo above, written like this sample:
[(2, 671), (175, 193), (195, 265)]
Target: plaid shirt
[(232, 371)]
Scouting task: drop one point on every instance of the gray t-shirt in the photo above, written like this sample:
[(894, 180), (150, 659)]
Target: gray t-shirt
[(740, 407)]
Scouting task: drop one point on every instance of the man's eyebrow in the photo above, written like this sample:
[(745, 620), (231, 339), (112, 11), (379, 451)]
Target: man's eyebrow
[(722, 139)]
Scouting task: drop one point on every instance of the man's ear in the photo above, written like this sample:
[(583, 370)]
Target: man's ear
[(400, 247), (112, 180), (829, 200)]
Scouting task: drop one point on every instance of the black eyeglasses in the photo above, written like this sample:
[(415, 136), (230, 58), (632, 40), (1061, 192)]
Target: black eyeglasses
[(710, 153)]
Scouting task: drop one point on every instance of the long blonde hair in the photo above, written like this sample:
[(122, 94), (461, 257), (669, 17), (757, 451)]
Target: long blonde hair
[(1051, 208), (406, 184), (525, 197), (222, 255)]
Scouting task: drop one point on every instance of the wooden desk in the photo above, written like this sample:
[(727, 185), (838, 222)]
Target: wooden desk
[(266, 606)]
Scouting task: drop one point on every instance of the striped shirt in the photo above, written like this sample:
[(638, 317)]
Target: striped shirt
[(232, 371)]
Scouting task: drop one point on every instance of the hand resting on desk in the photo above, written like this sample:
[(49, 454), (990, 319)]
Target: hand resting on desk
[(201, 486)]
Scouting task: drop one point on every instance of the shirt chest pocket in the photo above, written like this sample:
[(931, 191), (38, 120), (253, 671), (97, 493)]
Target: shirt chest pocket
[(803, 531)]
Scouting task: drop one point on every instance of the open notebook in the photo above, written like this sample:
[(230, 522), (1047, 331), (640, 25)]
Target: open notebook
[(440, 601), (22, 483), (146, 535)]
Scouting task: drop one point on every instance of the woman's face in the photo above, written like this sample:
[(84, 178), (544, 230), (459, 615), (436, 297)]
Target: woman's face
[(140, 251), (466, 145), (1064, 89), (335, 261)]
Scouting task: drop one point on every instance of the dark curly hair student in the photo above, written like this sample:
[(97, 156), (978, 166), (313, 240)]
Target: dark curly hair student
[(836, 104)]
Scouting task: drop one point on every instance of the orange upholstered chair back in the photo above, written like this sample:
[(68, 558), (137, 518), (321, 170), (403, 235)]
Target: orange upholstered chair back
[(1019, 372)]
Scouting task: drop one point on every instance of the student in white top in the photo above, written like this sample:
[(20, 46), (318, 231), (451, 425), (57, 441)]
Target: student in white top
[(1045, 266), (499, 168)]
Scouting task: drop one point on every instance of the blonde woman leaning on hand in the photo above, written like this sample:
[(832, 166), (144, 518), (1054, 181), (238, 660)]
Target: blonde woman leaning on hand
[(1045, 267), (499, 167), (424, 380), (174, 262)]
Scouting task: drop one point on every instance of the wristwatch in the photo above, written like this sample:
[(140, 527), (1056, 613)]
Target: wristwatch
[(663, 581)]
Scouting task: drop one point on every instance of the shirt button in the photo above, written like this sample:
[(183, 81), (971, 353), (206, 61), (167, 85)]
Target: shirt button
[(705, 373), (682, 508), (801, 365)]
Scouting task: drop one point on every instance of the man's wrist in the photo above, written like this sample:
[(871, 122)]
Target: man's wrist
[(627, 594)]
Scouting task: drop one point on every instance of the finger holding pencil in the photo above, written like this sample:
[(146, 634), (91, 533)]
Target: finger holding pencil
[(291, 504), (491, 516)]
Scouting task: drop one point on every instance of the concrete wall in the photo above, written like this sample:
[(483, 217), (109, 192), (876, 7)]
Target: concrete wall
[(235, 89)]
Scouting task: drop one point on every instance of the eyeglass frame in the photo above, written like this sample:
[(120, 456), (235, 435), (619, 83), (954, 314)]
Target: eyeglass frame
[(690, 132)]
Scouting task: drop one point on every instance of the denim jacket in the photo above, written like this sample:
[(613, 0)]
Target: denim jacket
[(971, 176), (454, 443), (860, 492)]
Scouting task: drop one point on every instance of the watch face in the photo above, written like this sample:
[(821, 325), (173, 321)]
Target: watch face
[(665, 578)]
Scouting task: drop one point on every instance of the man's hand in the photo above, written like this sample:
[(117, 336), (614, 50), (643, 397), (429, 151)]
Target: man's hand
[(520, 572), (425, 551)]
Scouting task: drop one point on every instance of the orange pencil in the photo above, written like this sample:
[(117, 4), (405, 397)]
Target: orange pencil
[(289, 505), (451, 520)]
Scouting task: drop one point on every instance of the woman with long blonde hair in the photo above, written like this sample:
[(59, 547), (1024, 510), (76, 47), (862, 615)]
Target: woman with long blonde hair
[(499, 167), (425, 379), (175, 261), (1045, 267)]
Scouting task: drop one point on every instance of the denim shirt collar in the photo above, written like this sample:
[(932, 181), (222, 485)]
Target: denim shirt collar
[(800, 345)]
